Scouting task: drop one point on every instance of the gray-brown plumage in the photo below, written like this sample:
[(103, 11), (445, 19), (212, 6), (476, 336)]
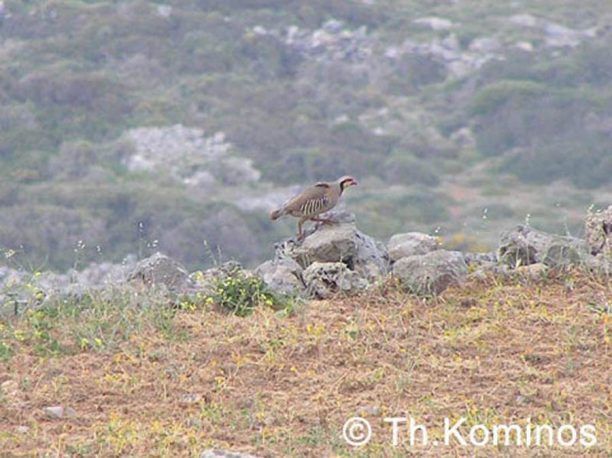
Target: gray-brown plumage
[(313, 201)]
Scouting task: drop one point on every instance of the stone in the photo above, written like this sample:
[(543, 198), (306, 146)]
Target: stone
[(411, 244), (523, 245), (341, 243), (562, 253), (58, 412), (217, 453), (159, 269), (283, 276), (598, 231), (188, 399), (533, 271), (434, 23), (326, 279), (431, 273), (480, 259)]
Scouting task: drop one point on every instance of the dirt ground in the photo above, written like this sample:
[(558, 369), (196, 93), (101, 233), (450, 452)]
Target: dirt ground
[(494, 352)]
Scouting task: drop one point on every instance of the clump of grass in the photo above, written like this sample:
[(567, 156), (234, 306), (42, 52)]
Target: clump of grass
[(241, 293)]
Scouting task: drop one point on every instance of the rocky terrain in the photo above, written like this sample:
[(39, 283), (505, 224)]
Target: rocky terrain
[(333, 260)]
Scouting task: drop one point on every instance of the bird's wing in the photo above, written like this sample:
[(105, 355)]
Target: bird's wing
[(315, 193)]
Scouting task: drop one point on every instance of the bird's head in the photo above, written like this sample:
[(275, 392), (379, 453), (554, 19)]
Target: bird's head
[(346, 182)]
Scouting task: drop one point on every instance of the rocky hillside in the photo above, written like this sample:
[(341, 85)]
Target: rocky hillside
[(133, 127)]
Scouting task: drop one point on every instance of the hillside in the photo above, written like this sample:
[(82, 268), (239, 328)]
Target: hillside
[(132, 127), (136, 381)]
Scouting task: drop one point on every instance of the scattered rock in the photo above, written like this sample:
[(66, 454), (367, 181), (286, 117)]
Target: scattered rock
[(523, 245), (216, 453), (598, 232), (159, 269), (485, 45), (187, 155), (57, 412), (326, 279), (434, 23), (431, 273), (411, 244), (282, 276)]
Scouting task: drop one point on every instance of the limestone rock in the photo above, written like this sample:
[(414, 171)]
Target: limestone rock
[(326, 279), (59, 412), (159, 269), (598, 232), (431, 273), (282, 276), (523, 245), (411, 244), (343, 243)]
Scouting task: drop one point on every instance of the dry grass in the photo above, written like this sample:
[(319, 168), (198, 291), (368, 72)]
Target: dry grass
[(274, 385)]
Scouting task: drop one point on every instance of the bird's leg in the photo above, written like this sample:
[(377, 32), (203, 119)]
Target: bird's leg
[(300, 234)]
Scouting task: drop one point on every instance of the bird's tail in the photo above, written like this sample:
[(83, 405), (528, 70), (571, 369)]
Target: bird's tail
[(274, 215)]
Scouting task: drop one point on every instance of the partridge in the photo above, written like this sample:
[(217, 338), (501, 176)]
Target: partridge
[(313, 201)]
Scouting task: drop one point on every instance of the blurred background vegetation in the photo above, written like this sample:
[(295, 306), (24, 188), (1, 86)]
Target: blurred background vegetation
[(460, 118)]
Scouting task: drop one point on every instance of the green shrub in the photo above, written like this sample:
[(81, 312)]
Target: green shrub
[(241, 293)]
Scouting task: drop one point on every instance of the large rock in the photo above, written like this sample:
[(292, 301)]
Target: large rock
[(431, 273), (411, 244), (282, 276), (159, 270), (342, 243), (326, 279), (523, 245), (598, 232)]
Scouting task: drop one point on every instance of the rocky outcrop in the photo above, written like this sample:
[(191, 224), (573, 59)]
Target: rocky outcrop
[(431, 273), (342, 243), (411, 244), (188, 155), (333, 259)]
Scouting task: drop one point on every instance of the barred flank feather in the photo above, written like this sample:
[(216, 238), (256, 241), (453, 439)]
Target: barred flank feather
[(313, 206)]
